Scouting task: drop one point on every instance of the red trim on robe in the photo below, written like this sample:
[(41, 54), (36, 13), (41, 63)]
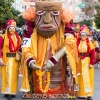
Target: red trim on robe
[(92, 56), (53, 60), (1, 45), (30, 26), (28, 60), (68, 29)]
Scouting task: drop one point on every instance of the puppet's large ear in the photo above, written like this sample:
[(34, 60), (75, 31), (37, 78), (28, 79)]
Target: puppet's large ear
[(67, 16), (29, 14)]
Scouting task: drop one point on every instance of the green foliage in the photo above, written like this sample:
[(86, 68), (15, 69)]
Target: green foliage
[(86, 22), (8, 12), (5, 10), (20, 21), (97, 20), (15, 13), (96, 7), (97, 15)]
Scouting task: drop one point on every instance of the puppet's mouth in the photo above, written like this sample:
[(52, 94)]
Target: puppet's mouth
[(46, 27)]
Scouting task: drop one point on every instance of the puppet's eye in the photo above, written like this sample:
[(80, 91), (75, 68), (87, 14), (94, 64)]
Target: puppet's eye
[(55, 12), (40, 12)]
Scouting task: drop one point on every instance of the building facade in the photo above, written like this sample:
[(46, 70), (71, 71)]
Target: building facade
[(91, 12), (16, 4), (22, 5), (70, 4)]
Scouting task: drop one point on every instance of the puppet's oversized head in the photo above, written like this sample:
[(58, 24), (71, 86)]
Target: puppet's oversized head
[(48, 17)]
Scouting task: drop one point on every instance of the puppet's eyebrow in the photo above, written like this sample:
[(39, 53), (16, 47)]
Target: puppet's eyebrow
[(48, 8)]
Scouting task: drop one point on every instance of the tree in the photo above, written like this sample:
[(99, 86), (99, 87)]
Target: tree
[(8, 12), (86, 22), (15, 13), (97, 15), (19, 20), (96, 7), (5, 10)]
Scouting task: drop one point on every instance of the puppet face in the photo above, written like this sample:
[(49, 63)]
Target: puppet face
[(48, 17)]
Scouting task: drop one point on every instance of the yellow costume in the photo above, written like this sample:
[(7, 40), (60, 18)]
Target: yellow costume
[(86, 78), (50, 34), (32, 52), (96, 45), (10, 71), (10, 44)]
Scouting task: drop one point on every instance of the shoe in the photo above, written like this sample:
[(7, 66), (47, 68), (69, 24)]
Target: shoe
[(81, 97), (9, 97), (89, 98), (13, 96), (95, 65), (98, 65), (5, 95)]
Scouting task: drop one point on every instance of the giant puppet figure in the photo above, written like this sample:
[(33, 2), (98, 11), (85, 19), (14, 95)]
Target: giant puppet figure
[(46, 42)]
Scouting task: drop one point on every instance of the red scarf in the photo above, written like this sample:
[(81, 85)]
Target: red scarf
[(88, 48), (12, 47)]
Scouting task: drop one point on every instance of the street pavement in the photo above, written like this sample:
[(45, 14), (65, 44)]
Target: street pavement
[(96, 95)]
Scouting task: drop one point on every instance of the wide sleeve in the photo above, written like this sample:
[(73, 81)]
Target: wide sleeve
[(69, 29), (26, 42), (96, 46), (92, 53), (1, 45), (29, 29)]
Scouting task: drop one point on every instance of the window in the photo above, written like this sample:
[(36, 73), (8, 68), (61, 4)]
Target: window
[(33, 0), (24, 6), (77, 9), (32, 5)]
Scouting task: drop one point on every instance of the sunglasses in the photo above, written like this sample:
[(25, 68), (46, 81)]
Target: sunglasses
[(12, 28), (83, 34)]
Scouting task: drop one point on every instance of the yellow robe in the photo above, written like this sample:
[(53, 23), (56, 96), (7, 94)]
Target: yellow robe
[(37, 50), (10, 71), (95, 43), (86, 78), (39, 54)]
